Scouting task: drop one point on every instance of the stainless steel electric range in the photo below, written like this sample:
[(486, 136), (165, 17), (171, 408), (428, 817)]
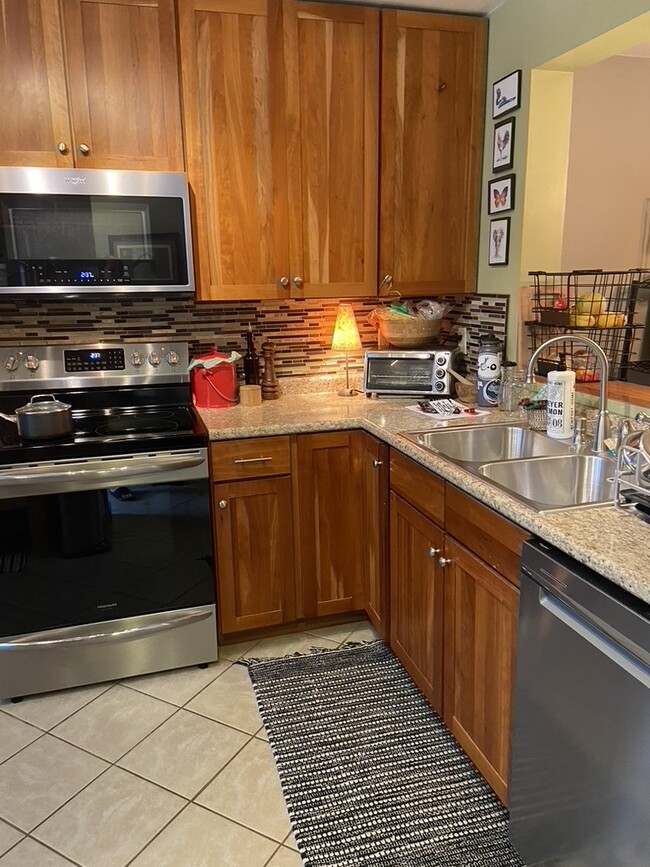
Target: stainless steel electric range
[(106, 564)]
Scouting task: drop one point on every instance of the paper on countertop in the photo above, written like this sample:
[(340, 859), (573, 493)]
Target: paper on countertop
[(445, 413)]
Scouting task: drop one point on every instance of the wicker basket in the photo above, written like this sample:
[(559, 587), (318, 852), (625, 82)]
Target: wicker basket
[(409, 332)]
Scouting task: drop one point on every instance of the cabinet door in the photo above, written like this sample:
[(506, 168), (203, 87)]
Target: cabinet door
[(375, 489), (254, 553), (480, 634), (32, 86), (432, 104), (416, 597), (123, 84), (329, 523), (233, 102), (332, 74)]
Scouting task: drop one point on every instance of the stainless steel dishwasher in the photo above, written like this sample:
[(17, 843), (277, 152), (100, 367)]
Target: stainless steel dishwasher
[(580, 782)]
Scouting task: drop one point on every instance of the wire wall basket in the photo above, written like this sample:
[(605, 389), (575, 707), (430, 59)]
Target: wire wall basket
[(597, 304)]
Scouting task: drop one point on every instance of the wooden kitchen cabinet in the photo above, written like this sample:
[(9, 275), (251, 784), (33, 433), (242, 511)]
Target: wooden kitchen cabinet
[(253, 532), (330, 539), (90, 83), (375, 491), (431, 133), (280, 106), (416, 597)]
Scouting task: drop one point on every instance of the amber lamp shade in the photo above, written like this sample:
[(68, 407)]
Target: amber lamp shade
[(346, 339)]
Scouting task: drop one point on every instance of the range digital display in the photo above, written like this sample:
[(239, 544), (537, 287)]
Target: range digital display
[(79, 360)]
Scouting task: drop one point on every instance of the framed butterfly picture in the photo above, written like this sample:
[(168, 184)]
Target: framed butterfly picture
[(501, 194)]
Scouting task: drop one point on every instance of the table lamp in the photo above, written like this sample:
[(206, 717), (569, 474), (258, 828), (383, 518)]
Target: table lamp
[(346, 339)]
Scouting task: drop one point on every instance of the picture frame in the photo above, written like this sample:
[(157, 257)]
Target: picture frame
[(501, 194), (503, 145), (499, 241), (506, 94)]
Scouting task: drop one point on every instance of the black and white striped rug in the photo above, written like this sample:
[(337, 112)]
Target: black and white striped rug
[(370, 775)]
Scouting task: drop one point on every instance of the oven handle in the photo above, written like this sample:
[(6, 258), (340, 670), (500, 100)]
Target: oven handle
[(33, 641), (101, 469)]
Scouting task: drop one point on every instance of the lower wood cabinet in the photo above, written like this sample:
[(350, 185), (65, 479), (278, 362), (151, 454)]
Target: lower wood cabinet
[(375, 490), (416, 597), (479, 660)]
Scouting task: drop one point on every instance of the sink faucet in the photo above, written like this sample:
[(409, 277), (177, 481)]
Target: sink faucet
[(601, 432)]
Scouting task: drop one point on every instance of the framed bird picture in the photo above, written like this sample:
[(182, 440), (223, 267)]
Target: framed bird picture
[(503, 149), (501, 194), (506, 94)]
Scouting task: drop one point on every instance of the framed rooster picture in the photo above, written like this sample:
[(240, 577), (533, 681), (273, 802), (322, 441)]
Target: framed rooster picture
[(501, 194), (504, 145)]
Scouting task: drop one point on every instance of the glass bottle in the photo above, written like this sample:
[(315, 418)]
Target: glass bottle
[(251, 360)]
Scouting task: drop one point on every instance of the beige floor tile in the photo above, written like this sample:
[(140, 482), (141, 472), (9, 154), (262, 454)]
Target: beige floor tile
[(14, 735), (283, 645), (177, 687), (115, 722), (8, 836), (185, 752), (285, 858), (29, 853), (199, 838), (108, 823), (47, 710), (248, 791), (235, 651), (290, 842), (365, 633), (40, 778), (230, 700), (339, 633)]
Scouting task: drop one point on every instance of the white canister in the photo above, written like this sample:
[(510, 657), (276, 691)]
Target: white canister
[(560, 396)]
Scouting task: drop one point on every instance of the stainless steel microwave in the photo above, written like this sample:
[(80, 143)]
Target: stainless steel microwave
[(87, 232)]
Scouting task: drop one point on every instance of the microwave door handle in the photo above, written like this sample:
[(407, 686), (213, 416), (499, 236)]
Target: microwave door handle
[(102, 470)]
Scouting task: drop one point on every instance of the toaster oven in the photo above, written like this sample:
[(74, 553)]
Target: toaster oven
[(410, 373)]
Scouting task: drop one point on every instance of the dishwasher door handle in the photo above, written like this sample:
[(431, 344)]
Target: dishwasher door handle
[(596, 638)]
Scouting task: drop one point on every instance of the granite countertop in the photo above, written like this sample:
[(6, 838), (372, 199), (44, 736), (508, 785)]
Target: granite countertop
[(614, 543)]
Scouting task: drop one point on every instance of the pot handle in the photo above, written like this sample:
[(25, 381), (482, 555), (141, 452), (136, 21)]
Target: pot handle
[(36, 396), (12, 418)]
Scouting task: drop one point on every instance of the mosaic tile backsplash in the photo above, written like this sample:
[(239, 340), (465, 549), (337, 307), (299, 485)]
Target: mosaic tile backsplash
[(300, 330)]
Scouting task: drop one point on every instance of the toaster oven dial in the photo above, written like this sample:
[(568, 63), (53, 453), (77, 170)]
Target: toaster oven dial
[(439, 386), (32, 363), (440, 374), (441, 360), (154, 359), (172, 357), (136, 359), (11, 363)]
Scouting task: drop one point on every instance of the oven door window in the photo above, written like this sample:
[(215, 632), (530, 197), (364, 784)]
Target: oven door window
[(92, 556), (91, 241)]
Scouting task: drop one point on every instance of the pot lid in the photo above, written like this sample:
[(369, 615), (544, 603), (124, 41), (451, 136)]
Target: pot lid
[(41, 404)]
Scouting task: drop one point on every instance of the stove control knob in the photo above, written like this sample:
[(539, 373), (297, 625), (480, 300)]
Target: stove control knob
[(136, 359), (172, 357), (11, 363), (154, 359), (31, 362)]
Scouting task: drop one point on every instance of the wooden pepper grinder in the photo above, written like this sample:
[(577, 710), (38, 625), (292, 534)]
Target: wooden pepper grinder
[(270, 385)]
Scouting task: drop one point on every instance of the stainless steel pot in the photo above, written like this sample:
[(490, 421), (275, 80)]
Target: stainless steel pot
[(43, 418)]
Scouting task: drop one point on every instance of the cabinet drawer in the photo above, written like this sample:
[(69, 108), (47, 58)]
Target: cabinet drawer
[(251, 458), (418, 486), (494, 539)]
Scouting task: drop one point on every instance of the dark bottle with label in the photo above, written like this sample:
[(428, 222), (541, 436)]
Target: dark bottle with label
[(251, 361)]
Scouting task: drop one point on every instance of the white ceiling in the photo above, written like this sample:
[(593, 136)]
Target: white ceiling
[(473, 7)]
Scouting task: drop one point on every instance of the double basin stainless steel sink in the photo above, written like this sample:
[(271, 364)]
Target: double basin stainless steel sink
[(541, 472)]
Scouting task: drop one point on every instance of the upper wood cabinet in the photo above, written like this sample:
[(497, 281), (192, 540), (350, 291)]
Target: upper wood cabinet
[(432, 106), (91, 83), (280, 104)]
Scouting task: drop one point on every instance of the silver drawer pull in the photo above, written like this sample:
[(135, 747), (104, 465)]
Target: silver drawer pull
[(251, 460)]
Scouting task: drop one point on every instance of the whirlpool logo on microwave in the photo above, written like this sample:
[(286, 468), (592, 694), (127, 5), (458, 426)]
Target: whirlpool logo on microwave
[(75, 180)]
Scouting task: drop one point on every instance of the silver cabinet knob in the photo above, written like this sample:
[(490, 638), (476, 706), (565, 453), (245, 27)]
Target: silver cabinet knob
[(136, 359), (154, 359), (284, 282), (11, 363), (84, 150), (62, 147), (432, 552), (443, 561), (172, 357), (297, 282), (377, 463), (223, 504), (32, 363)]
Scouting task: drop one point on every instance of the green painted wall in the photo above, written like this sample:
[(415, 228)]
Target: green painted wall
[(525, 34)]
